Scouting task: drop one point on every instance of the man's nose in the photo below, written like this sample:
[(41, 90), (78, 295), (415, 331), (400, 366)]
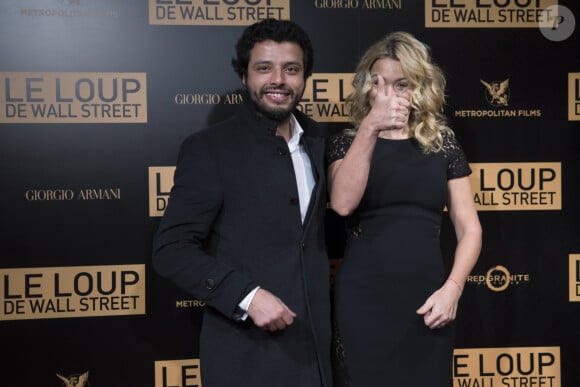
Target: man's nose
[(277, 76)]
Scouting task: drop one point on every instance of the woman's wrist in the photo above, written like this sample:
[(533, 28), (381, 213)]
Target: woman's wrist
[(367, 129), (449, 279)]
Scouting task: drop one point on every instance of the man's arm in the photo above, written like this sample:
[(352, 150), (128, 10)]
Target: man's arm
[(178, 248)]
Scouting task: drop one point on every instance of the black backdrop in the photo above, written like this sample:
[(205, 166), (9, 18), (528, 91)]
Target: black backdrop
[(96, 96)]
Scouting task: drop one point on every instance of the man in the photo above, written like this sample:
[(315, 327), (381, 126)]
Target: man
[(244, 228)]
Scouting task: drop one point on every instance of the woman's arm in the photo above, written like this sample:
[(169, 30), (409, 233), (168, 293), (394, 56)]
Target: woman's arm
[(441, 307), (347, 177), (467, 229)]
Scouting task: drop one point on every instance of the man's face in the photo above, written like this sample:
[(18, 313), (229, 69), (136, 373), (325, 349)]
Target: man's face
[(275, 78)]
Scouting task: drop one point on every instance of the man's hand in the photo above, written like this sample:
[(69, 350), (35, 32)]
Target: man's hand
[(269, 312)]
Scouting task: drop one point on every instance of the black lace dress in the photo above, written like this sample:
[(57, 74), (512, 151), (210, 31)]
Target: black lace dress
[(391, 264)]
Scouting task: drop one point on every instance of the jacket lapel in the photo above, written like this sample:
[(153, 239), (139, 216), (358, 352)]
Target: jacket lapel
[(314, 147)]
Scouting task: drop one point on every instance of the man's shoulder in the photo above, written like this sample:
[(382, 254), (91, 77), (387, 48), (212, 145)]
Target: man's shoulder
[(213, 131)]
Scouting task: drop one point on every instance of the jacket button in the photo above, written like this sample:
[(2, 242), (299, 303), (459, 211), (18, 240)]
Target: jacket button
[(209, 284), (294, 201)]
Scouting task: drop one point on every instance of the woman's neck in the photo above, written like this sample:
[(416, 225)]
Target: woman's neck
[(395, 134)]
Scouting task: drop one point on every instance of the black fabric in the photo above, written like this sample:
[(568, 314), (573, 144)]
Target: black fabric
[(230, 225), (392, 263)]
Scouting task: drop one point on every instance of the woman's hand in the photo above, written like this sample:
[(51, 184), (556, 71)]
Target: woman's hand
[(441, 307), (388, 109)]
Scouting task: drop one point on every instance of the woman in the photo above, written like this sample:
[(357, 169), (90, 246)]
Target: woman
[(392, 176)]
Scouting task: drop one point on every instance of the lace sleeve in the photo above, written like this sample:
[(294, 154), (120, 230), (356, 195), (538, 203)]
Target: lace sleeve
[(337, 146), (457, 161)]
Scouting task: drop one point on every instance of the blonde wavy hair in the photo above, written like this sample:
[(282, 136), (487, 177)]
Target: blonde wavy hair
[(426, 120)]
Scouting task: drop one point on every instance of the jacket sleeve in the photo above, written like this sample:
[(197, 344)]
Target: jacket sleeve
[(178, 247)]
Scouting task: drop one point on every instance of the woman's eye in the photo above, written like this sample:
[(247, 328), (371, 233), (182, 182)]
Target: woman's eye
[(402, 86)]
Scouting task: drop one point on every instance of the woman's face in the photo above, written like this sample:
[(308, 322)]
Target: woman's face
[(395, 82)]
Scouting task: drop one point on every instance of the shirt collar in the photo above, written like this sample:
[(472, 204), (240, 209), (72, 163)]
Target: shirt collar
[(297, 133), (249, 115)]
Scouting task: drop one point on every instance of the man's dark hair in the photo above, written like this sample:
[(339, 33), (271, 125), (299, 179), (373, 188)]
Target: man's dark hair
[(278, 31)]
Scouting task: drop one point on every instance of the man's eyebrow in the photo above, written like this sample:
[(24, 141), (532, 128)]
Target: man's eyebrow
[(268, 62), (262, 62)]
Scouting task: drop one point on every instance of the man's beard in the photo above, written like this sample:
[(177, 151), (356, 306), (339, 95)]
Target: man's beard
[(273, 113)]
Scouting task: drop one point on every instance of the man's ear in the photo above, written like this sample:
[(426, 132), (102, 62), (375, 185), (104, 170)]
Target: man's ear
[(244, 79)]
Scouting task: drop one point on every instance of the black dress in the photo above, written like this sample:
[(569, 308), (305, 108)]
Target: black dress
[(392, 263)]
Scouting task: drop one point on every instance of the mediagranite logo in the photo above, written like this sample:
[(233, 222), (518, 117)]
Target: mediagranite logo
[(216, 12), (487, 13), (177, 373), (325, 95), (498, 278), (516, 186), (48, 98), (516, 366)]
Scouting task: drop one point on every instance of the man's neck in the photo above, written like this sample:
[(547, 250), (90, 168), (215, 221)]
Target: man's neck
[(285, 128)]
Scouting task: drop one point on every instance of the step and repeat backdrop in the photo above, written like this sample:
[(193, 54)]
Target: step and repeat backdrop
[(97, 95)]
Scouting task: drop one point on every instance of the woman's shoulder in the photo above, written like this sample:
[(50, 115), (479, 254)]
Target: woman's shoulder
[(341, 138), (453, 152), (450, 144), (338, 145)]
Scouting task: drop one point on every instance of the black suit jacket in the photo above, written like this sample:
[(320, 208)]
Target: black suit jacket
[(232, 223)]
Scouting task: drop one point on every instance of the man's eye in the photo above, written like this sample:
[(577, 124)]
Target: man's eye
[(294, 69), (262, 68)]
